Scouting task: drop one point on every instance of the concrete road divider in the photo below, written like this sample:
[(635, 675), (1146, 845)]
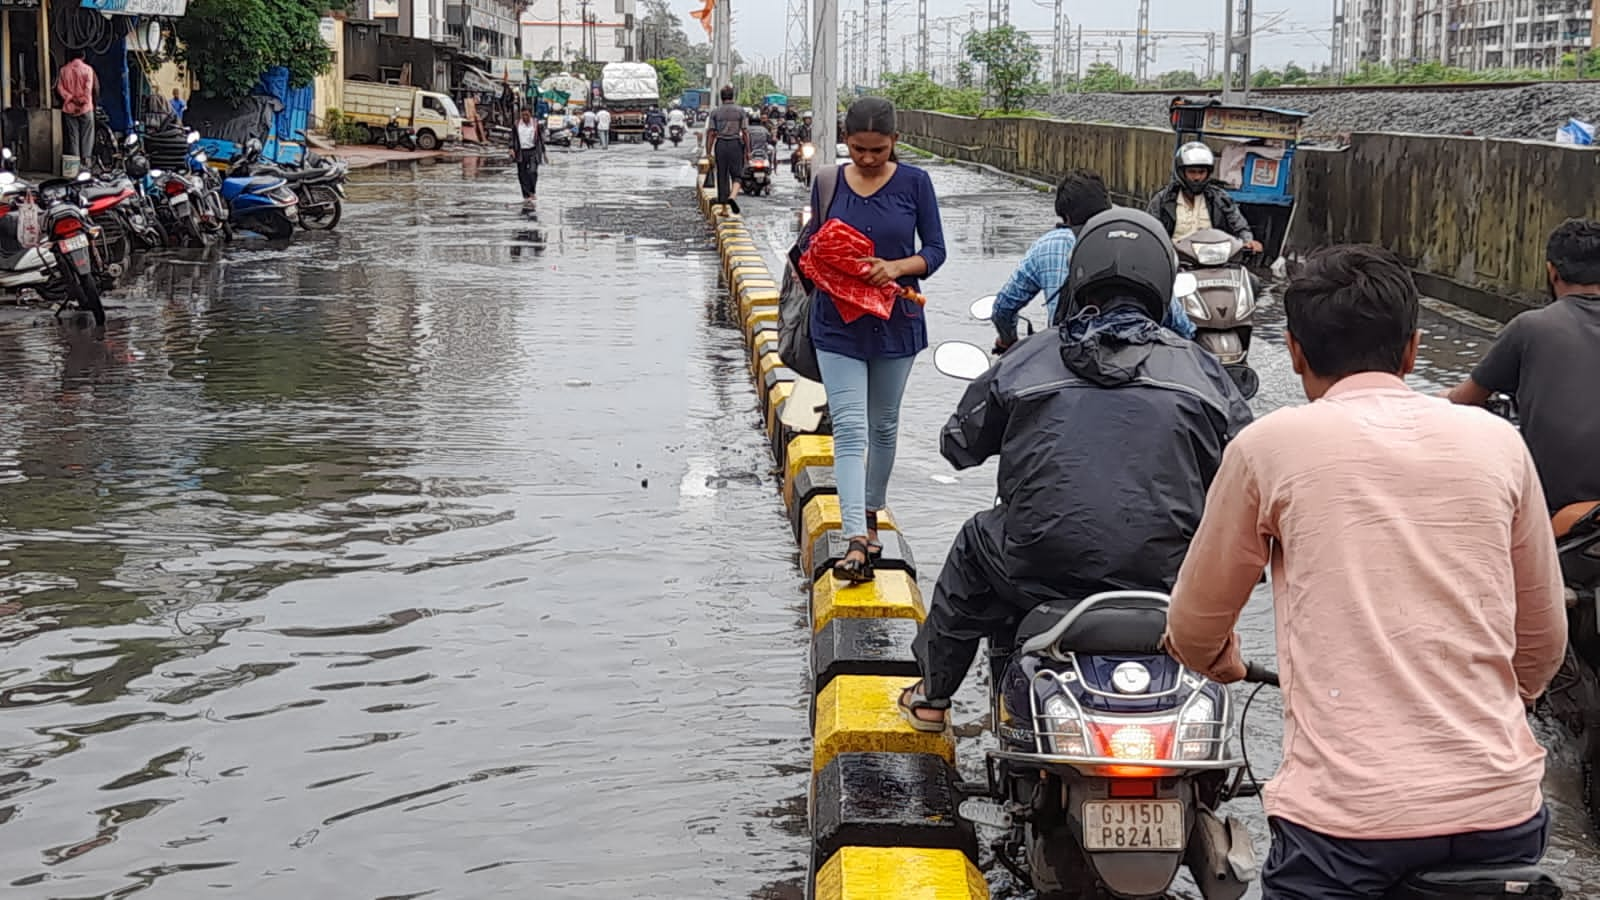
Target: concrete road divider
[(884, 797)]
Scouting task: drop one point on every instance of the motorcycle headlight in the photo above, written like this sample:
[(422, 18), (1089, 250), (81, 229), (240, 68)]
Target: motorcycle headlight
[(808, 151), (1199, 730), (201, 157), (1212, 254), (1062, 727), (1196, 308)]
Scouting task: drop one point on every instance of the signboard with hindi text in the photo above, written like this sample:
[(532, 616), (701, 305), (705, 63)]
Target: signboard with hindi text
[(174, 8)]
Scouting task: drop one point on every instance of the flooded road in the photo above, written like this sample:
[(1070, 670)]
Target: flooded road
[(989, 224), (435, 557), (442, 556)]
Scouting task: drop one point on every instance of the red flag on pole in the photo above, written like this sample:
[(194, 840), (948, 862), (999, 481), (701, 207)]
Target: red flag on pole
[(704, 15)]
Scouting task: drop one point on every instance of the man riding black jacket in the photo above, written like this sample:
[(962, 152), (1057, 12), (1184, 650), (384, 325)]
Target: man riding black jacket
[(1225, 213), (1109, 431)]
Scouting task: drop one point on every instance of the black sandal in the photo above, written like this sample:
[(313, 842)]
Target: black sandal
[(874, 546), (912, 700), (853, 570)]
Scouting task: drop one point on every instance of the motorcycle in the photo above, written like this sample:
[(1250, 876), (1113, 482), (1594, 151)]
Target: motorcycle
[(653, 134), (757, 177), (1224, 305), (318, 184), (53, 253), (675, 134), (800, 162), (396, 135), (260, 203), (590, 135), (559, 137)]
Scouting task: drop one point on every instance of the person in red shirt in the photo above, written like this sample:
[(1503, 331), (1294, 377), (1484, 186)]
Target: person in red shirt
[(77, 86)]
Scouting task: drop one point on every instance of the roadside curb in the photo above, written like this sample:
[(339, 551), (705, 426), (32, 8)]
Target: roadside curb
[(883, 795)]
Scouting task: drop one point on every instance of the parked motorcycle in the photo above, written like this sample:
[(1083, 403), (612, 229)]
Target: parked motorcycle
[(396, 135), (46, 245), (318, 183), (559, 137), (675, 134), (757, 177), (1224, 306), (261, 203)]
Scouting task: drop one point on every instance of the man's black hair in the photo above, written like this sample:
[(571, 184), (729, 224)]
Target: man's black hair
[(1352, 309), (74, 54), (727, 94), (1574, 250), (1081, 196)]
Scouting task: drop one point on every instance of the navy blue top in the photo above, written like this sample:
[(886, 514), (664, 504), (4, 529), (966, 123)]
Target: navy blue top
[(902, 211)]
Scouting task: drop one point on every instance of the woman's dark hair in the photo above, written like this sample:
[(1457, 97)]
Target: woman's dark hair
[(727, 93), (1081, 196), (1574, 250), (874, 114), (1352, 309)]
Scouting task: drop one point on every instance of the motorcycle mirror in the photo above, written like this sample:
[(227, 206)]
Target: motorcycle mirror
[(7, 178), (200, 157), (7, 155), (959, 359), (192, 137), (983, 308), (156, 173), (84, 175), (1245, 379), (131, 140), (1185, 285)]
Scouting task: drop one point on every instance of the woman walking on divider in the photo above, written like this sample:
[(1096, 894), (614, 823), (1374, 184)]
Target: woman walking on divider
[(865, 360)]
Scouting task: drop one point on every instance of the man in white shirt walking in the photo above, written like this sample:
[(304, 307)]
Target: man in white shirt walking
[(603, 121), (527, 148)]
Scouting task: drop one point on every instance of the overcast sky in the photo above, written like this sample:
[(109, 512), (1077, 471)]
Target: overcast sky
[(1287, 30)]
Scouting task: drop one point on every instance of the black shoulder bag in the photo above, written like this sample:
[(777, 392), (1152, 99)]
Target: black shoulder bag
[(794, 308)]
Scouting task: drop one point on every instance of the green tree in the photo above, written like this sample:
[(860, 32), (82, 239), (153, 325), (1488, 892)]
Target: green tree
[(752, 88), (1265, 78), (1103, 76), (670, 78), (964, 78), (1012, 63), (913, 90), (1177, 80), (228, 44), (1293, 74)]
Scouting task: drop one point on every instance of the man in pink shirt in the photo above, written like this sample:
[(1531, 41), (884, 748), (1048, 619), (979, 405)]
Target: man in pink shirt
[(77, 86), (1417, 595)]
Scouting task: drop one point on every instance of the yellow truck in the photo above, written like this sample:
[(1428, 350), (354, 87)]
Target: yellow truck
[(434, 118)]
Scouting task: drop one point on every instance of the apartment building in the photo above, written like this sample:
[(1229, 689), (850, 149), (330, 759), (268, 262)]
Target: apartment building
[(1474, 34), (486, 28), (564, 30)]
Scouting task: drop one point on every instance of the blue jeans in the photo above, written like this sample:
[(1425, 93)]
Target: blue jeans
[(864, 401)]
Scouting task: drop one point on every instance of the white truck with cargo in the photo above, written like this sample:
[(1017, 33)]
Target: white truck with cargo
[(433, 117), (628, 90)]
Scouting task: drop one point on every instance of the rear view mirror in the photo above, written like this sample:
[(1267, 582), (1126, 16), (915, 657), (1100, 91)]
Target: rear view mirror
[(983, 308), (1245, 379), (193, 137), (1185, 285), (961, 360), (131, 140)]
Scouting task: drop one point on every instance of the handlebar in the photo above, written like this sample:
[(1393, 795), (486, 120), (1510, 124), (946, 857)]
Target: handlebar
[(1256, 673)]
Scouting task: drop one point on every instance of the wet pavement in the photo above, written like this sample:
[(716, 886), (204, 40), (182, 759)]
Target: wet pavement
[(442, 556)]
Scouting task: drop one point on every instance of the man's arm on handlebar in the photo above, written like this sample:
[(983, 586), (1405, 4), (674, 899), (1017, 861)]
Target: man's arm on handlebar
[(976, 430), (1499, 371), (1222, 567)]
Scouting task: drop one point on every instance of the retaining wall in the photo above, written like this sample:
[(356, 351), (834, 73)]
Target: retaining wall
[(1470, 215), (883, 799)]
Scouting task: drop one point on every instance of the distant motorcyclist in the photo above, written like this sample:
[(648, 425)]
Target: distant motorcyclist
[(1195, 200), (654, 116), (1080, 196), (1549, 358), (1109, 432), (676, 118)]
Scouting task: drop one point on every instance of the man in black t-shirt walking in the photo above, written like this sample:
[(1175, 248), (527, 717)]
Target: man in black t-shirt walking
[(1549, 358), (727, 137)]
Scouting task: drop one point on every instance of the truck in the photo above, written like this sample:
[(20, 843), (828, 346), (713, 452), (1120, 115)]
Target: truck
[(629, 89), (434, 117)]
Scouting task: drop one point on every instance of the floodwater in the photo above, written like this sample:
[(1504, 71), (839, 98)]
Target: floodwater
[(442, 556)]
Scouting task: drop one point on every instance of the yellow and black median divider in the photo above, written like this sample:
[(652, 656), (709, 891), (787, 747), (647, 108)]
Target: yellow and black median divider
[(883, 795)]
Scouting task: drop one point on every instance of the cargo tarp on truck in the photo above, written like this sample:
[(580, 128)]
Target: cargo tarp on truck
[(628, 90)]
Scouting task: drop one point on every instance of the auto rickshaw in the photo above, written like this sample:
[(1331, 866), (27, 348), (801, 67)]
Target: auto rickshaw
[(1256, 148)]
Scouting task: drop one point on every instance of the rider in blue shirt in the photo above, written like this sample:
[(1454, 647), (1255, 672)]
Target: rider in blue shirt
[(1081, 196)]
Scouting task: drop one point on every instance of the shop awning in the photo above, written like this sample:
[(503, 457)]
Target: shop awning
[(478, 81), (173, 8)]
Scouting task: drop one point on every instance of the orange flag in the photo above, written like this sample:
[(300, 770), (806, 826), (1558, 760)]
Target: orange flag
[(704, 15)]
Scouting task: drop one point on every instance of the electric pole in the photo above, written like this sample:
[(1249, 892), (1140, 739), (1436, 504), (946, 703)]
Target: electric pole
[(797, 48), (866, 41), (883, 40), (1141, 45), (1002, 12), (825, 80), (722, 35), (1236, 47), (922, 35), (1057, 63)]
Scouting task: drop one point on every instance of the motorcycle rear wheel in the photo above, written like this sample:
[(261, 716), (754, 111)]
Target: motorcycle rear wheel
[(321, 210)]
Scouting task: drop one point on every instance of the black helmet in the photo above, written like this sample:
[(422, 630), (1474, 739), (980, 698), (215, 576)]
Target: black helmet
[(1193, 155), (1125, 250)]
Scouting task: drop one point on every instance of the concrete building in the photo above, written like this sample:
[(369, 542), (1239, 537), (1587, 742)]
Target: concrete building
[(564, 30), (1474, 34), (485, 28)]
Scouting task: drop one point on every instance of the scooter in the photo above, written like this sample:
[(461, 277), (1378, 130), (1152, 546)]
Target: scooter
[(397, 135), (675, 134), (757, 177), (559, 137), (259, 203), (1223, 307), (318, 184), (652, 133), (53, 254)]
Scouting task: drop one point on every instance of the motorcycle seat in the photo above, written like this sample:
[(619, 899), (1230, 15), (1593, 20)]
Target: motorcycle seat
[(1116, 625), (1509, 881), (96, 191), (1584, 516)]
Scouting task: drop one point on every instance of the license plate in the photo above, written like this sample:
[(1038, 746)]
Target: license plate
[(1133, 825), (76, 242)]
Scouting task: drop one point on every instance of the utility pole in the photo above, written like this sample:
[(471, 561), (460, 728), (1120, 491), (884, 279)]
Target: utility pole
[(1141, 45), (1057, 66), (883, 40), (866, 41), (1237, 47), (922, 35), (797, 47), (1337, 63), (1002, 12), (825, 80), (722, 46)]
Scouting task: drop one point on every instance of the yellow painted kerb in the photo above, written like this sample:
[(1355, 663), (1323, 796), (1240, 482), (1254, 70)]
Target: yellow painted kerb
[(822, 514), (859, 714), (892, 595), (775, 397), (806, 450), (899, 873)]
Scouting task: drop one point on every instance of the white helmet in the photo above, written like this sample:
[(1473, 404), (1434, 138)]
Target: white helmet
[(1193, 155)]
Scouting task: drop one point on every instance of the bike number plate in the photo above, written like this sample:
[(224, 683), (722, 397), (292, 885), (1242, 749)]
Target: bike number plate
[(1133, 825)]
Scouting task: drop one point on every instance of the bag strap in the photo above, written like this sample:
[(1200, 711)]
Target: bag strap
[(827, 186)]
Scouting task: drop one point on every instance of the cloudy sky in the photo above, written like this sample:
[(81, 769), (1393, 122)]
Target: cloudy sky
[(1287, 30)]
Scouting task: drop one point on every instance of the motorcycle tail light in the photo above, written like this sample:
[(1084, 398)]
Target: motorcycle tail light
[(174, 187), (1142, 742), (66, 227), (1061, 727)]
